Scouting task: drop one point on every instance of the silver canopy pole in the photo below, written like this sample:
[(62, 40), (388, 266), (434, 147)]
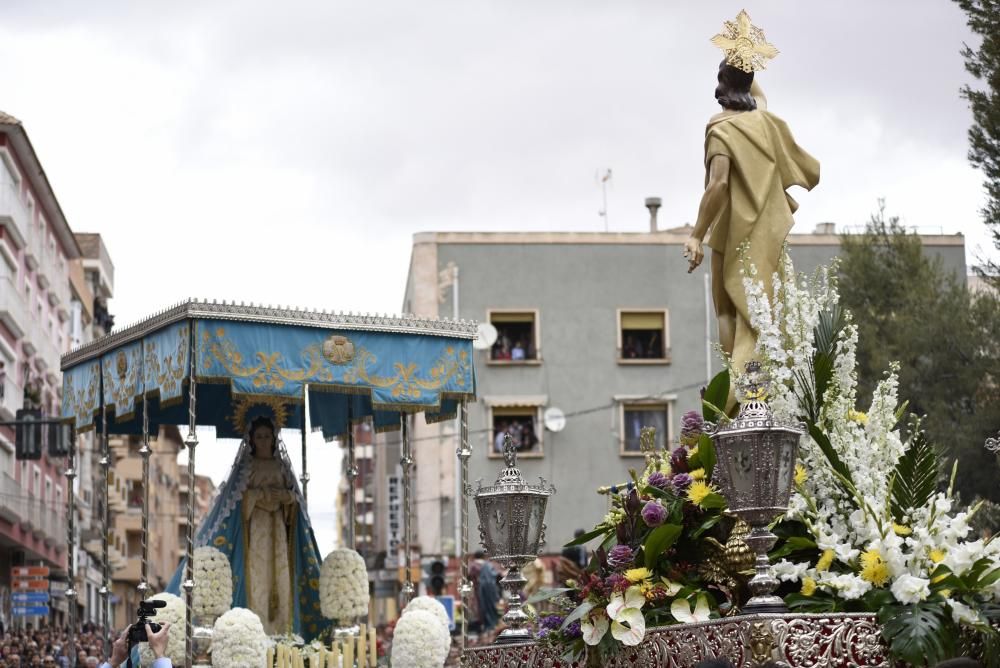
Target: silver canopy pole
[(305, 432), (144, 452), (406, 461), (464, 587), (70, 474), (191, 442), (105, 591), (352, 476)]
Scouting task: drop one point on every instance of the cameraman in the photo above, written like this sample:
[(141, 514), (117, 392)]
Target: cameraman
[(157, 643)]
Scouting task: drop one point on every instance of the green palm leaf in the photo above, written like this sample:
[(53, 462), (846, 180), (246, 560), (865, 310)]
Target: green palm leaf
[(918, 634), (915, 478)]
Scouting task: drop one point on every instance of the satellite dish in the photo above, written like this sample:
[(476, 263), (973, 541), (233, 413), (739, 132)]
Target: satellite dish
[(554, 419), (486, 336)]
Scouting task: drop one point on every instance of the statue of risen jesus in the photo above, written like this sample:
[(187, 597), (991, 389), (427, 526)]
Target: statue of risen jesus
[(751, 158)]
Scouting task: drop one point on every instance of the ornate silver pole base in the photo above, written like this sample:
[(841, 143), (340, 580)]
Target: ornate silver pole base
[(763, 584), (346, 628), (515, 618)]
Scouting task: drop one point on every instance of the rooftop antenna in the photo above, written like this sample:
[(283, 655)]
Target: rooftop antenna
[(603, 213)]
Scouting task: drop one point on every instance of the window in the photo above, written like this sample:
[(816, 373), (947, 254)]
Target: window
[(637, 415), (48, 489), (517, 336), (133, 493), (522, 423), (643, 336), (133, 540)]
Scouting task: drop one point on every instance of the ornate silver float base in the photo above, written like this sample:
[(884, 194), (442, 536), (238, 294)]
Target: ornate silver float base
[(801, 641)]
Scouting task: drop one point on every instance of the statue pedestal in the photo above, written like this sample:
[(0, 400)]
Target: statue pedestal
[(800, 641)]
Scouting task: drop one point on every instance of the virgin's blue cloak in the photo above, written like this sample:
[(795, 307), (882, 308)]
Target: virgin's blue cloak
[(225, 529)]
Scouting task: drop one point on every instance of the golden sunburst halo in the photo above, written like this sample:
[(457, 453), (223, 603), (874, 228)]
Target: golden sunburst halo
[(744, 44), (243, 412)]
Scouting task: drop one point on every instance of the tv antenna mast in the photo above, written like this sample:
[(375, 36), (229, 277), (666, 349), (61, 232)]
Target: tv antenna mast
[(604, 180)]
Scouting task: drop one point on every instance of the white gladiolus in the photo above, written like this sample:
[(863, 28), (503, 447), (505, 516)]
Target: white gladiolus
[(213, 582), (175, 612), (238, 640), (343, 585), (419, 641), (911, 589), (868, 444)]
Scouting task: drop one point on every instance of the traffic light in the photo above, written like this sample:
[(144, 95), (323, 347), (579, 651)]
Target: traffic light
[(436, 580), (28, 434)]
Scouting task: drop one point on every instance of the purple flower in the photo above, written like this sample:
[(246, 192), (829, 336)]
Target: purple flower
[(542, 633), (653, 514), (572, 631), (551, 622), (620, 556), (616, 582), (692, 425), (679, 460), (658, 480), (680, 483)]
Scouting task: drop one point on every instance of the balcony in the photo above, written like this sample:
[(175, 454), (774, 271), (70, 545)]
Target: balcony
[(13, 213), (13, 308), (12, 509), (13, 398)]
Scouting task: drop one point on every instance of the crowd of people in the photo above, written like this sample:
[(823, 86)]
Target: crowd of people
[(48, 647)]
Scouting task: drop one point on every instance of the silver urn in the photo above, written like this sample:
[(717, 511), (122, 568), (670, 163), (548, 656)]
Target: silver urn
[(512, 530)]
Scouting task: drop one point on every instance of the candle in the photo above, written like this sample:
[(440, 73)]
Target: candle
[(349, 653), (295, 657), (373, 646), (362, 654), (281, 656), (270, 657), (335, 655)]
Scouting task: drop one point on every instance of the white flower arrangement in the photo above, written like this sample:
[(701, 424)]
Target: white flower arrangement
[(417, 641), (175, 612), (432, 605), (343, 586), (863, 546), (238, 640), (213, 582)]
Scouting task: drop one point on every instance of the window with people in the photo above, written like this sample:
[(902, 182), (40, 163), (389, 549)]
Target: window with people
[(637, 416), (521, 424), (642, 336), (516, 336)]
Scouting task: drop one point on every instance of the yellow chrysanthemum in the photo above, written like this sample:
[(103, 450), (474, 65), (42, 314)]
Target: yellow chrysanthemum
[(937, 555), (901, 529), (698, 490), (638, 574), (945, 592), (825, 561), (808, 586), (698, 474), (800, 474), (857, 416), (873, 568)]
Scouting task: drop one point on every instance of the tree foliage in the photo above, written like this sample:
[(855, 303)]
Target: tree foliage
[(984, 134), (910, 309)]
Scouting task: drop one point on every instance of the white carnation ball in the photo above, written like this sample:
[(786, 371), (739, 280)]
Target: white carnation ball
[(175, 612), (238, 640), (419, 641)]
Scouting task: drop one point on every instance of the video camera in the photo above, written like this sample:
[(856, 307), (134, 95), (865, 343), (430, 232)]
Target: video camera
[(137, 632)]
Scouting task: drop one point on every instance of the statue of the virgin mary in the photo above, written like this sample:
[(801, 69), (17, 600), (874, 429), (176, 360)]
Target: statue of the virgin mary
[(259, 522)]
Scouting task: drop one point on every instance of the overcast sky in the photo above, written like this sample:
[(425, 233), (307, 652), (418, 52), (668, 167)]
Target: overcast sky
[(287, 152)]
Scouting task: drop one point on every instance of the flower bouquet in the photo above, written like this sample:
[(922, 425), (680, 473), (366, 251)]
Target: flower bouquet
[(660, 559), (213, 583), (343, 587), (419, 640), (239, 640)]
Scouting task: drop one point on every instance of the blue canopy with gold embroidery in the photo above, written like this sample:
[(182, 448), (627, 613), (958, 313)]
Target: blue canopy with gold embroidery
[(246, 357)]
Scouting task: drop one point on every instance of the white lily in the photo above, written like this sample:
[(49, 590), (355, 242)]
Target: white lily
[(670, 586), (684, 614), (593, 629), (627, 623)]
